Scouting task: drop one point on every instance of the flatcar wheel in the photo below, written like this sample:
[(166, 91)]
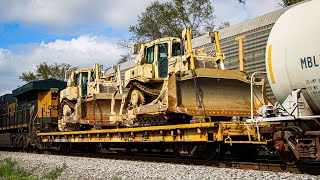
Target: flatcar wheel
[(211, 151), (288, 157)]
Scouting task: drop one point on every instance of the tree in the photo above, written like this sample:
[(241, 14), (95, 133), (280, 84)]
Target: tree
[(124, 58), (44, 71), (170, 18), (284, 3), (224, 24), (126, 45), (28, 76)]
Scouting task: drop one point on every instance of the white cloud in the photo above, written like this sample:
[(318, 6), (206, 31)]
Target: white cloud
[(235, 12), (83, 51), (257, 8), (8, 72), (60, 15), (72, 15)]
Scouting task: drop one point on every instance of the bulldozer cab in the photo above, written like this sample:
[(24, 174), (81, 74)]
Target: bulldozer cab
[(85, 81), (158, 53), (168, 55), (81, 79)]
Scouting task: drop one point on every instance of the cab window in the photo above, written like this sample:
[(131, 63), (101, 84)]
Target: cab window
[(93, 76), (176, 49), (76, 79), (163, 60), (150, 54), (84, 83)]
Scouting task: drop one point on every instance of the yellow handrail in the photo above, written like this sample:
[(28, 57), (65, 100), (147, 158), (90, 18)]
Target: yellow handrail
[(188, 34)]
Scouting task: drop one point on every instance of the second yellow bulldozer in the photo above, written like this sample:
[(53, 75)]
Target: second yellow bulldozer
[(90, 99)]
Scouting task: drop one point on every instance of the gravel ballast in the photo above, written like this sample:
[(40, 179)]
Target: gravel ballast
[(92, 168)]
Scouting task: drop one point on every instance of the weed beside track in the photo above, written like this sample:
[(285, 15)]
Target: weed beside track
[(10, 169)]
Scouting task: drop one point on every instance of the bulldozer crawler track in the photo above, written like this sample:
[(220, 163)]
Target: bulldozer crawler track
[(147, 90), (68, 127), (156, 120), (144, 89), (64, 102)]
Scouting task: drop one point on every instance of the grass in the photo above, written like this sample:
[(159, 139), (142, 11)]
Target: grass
[(116, 178), (55, 173), (10, 170)]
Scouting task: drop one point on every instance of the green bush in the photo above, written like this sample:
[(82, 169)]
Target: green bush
[(10, 170), (54, 174)]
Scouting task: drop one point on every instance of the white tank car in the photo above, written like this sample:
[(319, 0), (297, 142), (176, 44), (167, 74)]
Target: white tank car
[(293, 55)]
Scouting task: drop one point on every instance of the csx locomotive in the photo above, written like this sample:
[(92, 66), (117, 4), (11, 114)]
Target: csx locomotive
[(29, 109)]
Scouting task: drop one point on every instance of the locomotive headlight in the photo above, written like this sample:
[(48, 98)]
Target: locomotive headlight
[(54, 93)]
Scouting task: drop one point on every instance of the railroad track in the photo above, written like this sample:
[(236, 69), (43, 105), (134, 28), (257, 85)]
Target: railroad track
[(273, 165), (311, 168)]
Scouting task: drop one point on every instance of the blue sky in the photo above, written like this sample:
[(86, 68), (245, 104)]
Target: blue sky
[(82, 32), (15, 32)]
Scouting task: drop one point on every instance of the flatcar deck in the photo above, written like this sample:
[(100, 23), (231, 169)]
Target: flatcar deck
[(197, 132)]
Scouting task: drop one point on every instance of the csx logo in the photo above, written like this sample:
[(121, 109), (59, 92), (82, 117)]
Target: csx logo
[(308, 62), (53, 107)]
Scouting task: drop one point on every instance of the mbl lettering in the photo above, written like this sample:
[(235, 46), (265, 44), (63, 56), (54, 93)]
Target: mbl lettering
[(308, 62)]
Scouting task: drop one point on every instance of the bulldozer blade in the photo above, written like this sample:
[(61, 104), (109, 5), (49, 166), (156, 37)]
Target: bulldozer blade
[(221, 93), (97, 111)]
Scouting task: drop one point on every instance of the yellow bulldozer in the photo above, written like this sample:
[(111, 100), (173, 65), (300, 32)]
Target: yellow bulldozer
[(172, 84), (90, 99)]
